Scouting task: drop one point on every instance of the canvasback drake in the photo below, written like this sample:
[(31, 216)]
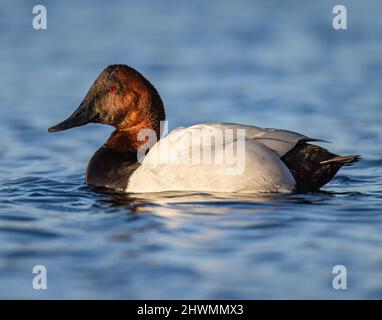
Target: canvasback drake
[(274, 160)]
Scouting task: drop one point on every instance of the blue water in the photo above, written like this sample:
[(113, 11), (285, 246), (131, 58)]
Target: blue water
[(268, 63)]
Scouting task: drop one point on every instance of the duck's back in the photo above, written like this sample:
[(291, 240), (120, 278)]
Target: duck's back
[(218, 157)]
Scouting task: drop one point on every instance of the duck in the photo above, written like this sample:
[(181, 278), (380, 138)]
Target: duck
[(138, 158)]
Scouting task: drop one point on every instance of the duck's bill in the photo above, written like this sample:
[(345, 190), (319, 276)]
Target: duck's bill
[(83, 115)]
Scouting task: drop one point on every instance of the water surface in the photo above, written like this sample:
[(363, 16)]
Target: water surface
[(267, 63)]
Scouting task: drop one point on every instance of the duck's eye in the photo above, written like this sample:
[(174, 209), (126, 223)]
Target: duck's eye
[(113, 88)]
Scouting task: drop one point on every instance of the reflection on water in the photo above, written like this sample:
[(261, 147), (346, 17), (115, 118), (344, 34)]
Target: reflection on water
[(210, 62)]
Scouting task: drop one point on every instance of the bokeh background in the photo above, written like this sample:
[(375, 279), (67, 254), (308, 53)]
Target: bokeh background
[(268, 63)]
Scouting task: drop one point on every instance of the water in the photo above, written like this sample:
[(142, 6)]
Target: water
[(265, 63)]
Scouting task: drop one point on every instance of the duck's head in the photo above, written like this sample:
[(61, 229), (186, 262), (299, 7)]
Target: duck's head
[(120, 97)]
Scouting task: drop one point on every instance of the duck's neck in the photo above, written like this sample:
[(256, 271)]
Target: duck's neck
[(147, 114), (129, 140)]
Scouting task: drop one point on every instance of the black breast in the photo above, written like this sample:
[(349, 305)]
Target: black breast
[(109, 168)]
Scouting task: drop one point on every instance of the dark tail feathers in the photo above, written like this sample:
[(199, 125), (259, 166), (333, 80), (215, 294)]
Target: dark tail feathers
[(313, 166), (344, 160)]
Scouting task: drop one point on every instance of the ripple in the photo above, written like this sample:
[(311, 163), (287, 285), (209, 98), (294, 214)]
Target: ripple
[(19, 218), (28, 232)]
